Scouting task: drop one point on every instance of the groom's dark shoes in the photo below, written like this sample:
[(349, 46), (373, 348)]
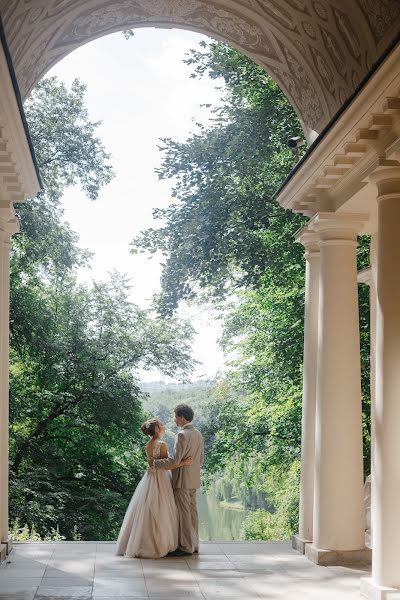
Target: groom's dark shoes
[(179, 552)]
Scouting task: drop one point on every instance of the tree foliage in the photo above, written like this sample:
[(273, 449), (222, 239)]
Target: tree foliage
[(227, 240), (223, 230), (76, 404), (76, 453)]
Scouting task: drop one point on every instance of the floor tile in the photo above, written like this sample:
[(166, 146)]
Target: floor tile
[(210, 565), (206, 574), (130, 567), (224, 570), (72, 580), (17, 595), (76, 592), (172, 595), (21, 574), (112, 597), (102, 595), (120, 588), (63, 597), (133, 577), (23, 565), (62, 574), (19, 584)]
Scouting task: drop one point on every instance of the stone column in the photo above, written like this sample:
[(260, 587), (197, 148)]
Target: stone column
[(309, 240), (8, 226), (368, 276), (385, 582), (372, 373), (372, 310), (338, 525)]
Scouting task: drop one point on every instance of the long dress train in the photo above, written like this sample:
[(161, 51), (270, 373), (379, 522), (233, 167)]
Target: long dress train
[(150, 525)]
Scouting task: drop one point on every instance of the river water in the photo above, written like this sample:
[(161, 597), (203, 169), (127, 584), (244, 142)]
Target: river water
[(217, 522)]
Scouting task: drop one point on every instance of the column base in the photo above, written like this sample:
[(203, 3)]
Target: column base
[(299, 544), (342, 558), (3, 552), (370, 590), (8, 543)]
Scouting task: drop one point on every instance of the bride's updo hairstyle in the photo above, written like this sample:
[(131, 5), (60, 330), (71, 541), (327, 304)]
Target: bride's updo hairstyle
[(149, 427)]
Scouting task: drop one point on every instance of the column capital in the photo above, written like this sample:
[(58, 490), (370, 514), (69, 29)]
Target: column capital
[(386, 177), (9, 222), (309, 239), (340, 228)]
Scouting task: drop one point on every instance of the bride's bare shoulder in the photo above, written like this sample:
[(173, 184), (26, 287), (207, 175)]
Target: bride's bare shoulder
[(149, 448), (163, 450)]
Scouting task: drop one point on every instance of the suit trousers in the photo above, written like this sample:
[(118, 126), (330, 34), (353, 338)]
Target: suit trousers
[(188, 540)]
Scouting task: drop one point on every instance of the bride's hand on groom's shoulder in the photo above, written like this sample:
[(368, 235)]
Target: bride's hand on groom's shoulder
[(150, 465)]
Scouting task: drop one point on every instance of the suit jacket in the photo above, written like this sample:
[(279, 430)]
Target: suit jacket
[(188, 442)]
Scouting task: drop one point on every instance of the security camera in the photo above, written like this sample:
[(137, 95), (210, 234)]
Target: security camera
[(295, 142)]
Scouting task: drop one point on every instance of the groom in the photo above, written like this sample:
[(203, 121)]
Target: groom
[(185, 480)]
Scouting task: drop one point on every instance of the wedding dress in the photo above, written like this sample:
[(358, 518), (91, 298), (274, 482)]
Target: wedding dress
[(150, 525)]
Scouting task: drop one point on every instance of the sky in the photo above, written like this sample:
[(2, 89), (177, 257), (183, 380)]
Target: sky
[(141, 91)]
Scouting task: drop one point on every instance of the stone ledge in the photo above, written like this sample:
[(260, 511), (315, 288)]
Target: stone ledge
[(342, 558), (8, 543), (372, 591), (3, 552), (299, 544)]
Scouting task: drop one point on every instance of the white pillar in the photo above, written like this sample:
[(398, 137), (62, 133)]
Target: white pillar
[(310, 242), (368, 276), (386, 446), (372, 369), (8, 226), (372, 312), (338, 498)]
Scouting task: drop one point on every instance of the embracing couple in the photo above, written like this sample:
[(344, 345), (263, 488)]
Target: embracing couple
[(162, 516)]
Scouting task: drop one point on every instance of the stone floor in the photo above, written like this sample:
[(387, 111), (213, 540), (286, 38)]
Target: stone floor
[(226, 570)]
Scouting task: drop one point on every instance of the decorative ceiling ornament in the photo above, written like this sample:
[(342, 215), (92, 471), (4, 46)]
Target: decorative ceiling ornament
[(283, 16), (300, 5), (323, 69), (311, 47), (348, 33), (309, 29), (320, 10), (335, 52), (172, 8), (380, 15)]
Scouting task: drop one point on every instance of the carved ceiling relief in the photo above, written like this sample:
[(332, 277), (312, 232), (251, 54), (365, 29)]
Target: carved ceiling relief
[(309, 100), (348, 33), (320, 10), (335, 52), (318, 50), (275, 10), (380, 15), (300, 5)]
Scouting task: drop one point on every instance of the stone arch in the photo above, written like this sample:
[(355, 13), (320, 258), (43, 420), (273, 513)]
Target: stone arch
[(316, 50)]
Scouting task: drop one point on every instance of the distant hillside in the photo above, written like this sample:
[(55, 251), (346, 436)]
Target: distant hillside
[(162, 386), (163, 397)]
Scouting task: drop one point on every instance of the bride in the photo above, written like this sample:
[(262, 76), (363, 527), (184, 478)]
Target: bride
[(150, 526)]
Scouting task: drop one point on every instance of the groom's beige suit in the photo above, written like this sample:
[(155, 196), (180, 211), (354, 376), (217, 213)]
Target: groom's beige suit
[(185, 482)]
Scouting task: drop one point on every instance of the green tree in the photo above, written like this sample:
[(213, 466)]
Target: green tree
[(225, 239), (76, 448), (223, 230), (75, 451)]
